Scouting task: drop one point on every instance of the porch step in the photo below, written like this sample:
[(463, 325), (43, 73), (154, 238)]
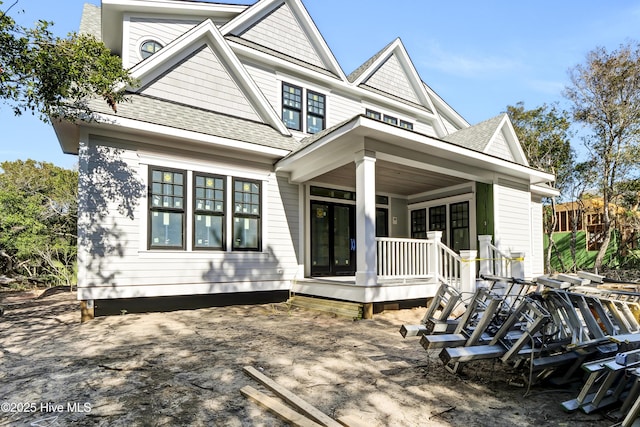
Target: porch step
[(349, 310)]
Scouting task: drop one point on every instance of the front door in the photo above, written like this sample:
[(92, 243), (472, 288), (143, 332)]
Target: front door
[(333, 242)]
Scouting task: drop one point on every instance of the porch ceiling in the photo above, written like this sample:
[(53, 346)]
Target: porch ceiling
[(392, 178)]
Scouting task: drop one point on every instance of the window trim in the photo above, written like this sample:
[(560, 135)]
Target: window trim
[(312, 114), (290, 108), (142, 52), (235, 215), (151, 209), (196, 211)]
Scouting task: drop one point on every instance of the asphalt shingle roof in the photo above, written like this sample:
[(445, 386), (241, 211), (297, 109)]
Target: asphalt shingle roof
[(179, 116), (475, 137)]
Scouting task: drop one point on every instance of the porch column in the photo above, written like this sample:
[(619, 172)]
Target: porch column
[(517, 265), (486, 255), (366, 218), (468, 271), (434, 254)]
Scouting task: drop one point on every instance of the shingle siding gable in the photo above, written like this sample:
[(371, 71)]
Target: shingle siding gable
[(391, 78), (202, 81), (281, 32)]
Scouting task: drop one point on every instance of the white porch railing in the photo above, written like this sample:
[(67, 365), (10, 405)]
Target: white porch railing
[(451, 265), (403, 258), (418, 258), (497, 262)]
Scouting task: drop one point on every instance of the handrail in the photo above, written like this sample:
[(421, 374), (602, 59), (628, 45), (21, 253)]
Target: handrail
[(450, 265), (501, 261)]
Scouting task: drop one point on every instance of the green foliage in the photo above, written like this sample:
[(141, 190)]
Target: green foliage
[(52, 76), (605, 96), (38, 221), (545, 136)]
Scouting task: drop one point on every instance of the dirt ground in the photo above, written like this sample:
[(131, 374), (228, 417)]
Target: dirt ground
[(184, 368)]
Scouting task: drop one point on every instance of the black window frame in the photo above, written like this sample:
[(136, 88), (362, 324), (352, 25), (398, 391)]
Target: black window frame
[(372, 114), (250, 215), (419, 224), (287, 107), (144, 54), (165, 209), (206, 212), (406, 125), (311, 110), (390, 120), (459, 219)]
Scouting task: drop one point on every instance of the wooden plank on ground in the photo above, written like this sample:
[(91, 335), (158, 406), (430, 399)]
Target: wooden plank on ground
[(353, 421), (295, 401), (278, 408)]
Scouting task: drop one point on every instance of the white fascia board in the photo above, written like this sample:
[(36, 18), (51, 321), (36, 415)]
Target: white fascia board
[(138, 127), (207, 32), (421, 143), (262, 8), (332, 82), (442, 105), (376, 64), (113, 10), (544, 191), (513, 141)]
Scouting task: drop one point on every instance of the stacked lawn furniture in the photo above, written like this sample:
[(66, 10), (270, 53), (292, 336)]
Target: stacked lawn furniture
[(559, 329)]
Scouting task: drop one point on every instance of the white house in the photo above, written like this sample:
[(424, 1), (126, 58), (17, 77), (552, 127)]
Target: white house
[(247, 160)]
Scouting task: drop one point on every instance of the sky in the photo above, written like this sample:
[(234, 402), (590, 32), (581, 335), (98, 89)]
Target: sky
[(479, 56)]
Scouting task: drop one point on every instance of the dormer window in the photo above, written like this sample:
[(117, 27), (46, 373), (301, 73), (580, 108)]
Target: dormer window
[(149, 47)]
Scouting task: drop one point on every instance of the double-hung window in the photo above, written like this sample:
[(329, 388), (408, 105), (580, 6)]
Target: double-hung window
[(315, 112), (292, 106), (246, 215), (208, 212), (294, 112), (166, 210)]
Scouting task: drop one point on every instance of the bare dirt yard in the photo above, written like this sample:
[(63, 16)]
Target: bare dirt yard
[(184, 368)]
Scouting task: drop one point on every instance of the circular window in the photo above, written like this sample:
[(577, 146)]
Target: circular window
[(149, 47)]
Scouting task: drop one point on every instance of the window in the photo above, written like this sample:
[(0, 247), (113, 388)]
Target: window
[(382, 222), (148, 48), (246, 215), (419, 224), (292, 106), (438, 218), (388, 119), (406, 125), (373, 114), (391, 120), (315, 112), (166, 210), (459, 226), (208, 212), (292, 110)]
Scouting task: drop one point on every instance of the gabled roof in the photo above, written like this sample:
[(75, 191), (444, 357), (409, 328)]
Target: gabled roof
[(483, 136), (185, 45), (187, 118), (392, 71), (274, 23)]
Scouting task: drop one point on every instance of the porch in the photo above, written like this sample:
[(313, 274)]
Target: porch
[(409, 269)]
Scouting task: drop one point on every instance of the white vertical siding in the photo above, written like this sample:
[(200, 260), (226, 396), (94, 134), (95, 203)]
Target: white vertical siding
[(203, 81), (115, 262), (281, 32), (391, 78), (159, 29), (500, 148), (537, 237), (513, 220)]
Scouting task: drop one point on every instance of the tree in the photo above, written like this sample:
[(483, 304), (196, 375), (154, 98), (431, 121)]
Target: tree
[(545, 136), (38, 221), (605, 97), (52, 76)]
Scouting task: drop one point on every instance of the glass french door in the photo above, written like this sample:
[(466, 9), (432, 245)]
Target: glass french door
[(333, 243)]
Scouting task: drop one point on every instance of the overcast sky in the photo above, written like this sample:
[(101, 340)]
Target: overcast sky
[(479, 56)]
